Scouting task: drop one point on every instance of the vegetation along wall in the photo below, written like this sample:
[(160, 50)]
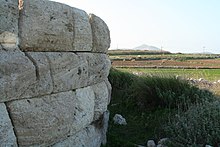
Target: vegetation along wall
[(54, 89)]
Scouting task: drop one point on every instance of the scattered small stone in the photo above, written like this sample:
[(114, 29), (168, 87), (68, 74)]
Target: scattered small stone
[(151, 143), (201, 79), (162, 141), (178, 77), (118, 119)]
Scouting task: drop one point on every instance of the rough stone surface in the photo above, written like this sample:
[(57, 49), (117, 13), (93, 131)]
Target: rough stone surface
[(82, 40), (109, 86), (9, 22), (17, 73), (120, 120), (44, 83), (105, 126), (49, 119), (100, 34), (91, 136), (88, 137), (54, 87), (7, 136), (51, 26), (98, 66), (151, 143), (101, 99), (86, 104), (68, 71)]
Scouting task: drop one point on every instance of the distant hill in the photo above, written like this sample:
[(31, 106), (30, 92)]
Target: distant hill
[(136, 52), (147, 47)]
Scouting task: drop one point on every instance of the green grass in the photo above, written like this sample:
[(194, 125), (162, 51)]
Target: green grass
[(148, 103), (208, 74)]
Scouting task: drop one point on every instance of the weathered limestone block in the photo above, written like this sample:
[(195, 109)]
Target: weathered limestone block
[(82, 40), (88, 137), (49, 119), (68, 71), (86, 104), (101, 99), (8, 22), (51, 26), (98, 66), (17, 73), (44, 83), (91, 136), (7, 136), (100, 34), (109, 86)]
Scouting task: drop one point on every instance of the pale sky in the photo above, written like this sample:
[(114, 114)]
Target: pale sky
[(175, 25)]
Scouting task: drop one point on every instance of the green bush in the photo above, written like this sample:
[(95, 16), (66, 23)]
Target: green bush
[(199, 125), (120, 80), (166, 92), (149, 102), (150, 92), (121, 84)]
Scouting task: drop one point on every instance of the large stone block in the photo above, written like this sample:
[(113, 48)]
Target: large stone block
[(82, 40), (49, 119), (44, 83), (100, 34), (51, 26), (88, 137), (86, 103), (98, 66), (7, 136), (68, 71), (92, 136), (101, 99), (17, 73), (9, 22)]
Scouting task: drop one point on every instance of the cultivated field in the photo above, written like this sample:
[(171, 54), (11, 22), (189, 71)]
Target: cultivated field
[(161, 60)]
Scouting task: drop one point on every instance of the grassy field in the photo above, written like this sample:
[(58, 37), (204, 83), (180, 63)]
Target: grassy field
[(208, 74), (159, 60)]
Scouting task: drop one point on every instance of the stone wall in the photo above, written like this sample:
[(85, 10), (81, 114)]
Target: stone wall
[(54, 89)]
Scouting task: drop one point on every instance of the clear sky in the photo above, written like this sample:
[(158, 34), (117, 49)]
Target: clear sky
[(175, 25)]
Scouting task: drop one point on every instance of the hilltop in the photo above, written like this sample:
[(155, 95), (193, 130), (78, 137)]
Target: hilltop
[(147, 47)]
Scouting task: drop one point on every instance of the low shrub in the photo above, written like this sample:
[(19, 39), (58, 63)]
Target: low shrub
[(149, 102), (199, 125), (121, 84), (166, 92)]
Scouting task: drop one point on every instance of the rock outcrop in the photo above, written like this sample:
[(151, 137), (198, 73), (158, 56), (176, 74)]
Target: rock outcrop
[(54, 89)]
